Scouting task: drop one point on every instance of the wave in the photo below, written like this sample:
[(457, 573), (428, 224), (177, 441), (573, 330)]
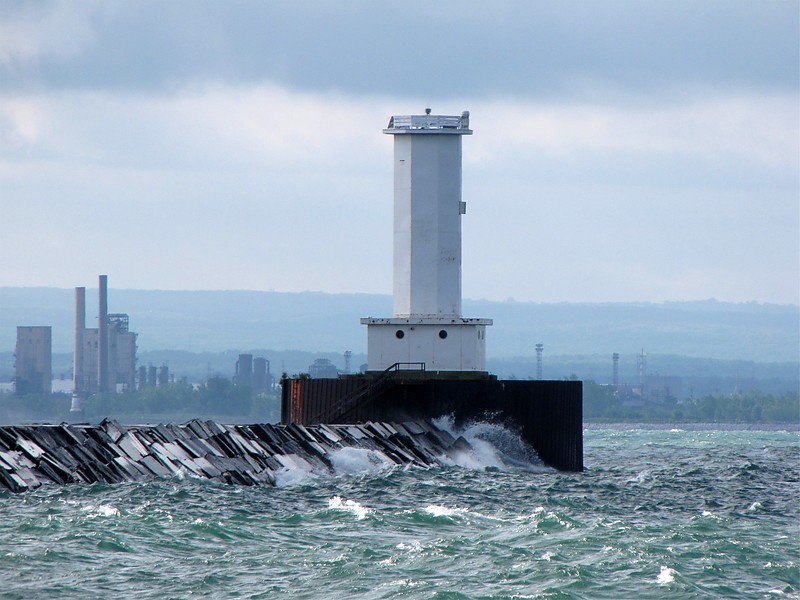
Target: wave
[(490, 447), (494, 446)]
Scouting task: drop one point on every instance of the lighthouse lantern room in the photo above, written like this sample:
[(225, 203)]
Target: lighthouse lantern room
[(427, 327)]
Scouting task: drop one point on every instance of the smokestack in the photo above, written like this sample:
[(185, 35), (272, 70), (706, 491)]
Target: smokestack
[(163, 376), (142, 377), (102, 337), (615, 373), (244, 370), (77, 355), (260, 370), (80, 325), (152, 376), (539, 350)]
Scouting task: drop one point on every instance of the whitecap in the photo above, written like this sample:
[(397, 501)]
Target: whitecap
[(641, 477), (666, 575), (404, 583), (437, 510), (414, 546), (351, 506), (777, 592), (103, 510), (755, 506)]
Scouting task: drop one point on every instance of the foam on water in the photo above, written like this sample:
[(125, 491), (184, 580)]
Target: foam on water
[(437, 510), (350, 506), (493, 446), (102, 510), (352, 461), (295, 470), (666, 575)]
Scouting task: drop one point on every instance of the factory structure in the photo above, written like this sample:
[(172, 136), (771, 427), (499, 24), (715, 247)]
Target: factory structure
[(33, 360), (427, 359), (104, 357), (254, 373)]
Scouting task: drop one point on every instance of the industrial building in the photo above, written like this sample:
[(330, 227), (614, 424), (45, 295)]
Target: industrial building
[(253, 373), (322, 368), (105, 356), (33, 360)]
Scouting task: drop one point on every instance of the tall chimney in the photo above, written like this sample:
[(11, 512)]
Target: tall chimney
[(539, 350), (78, 381), (102, 337)]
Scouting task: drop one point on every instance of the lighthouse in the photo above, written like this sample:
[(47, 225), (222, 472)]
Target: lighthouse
[(427, 327), (427, 359)]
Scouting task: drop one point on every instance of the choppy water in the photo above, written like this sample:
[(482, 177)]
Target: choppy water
[(685, 514)]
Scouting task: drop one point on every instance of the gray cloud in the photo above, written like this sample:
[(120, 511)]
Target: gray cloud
[(622, 150), (429, 49)]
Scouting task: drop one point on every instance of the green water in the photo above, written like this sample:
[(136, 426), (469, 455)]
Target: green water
[(656, 514)]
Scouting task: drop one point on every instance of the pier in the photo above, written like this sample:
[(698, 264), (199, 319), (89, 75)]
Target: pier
[(33, 455)]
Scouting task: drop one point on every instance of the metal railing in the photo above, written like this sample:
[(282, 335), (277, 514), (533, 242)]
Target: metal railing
[(428, 122), (364, 394)]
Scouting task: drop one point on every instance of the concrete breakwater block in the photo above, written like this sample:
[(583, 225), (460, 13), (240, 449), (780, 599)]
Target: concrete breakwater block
[(32, 455)]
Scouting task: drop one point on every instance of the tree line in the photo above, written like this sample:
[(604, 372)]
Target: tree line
[(605, 403), (219, 398)]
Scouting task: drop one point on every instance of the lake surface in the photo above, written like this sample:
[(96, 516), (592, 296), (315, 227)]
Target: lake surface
[(661, 513)]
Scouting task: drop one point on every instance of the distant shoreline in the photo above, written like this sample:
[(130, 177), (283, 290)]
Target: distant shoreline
[(692, 426)]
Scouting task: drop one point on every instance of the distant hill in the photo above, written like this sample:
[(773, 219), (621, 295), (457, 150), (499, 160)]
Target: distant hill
[(217, 321)]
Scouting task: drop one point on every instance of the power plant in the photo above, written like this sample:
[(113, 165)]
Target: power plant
[(104, 357)]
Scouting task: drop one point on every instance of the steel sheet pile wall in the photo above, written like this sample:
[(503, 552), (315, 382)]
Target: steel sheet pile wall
[(549, 414), (237, 454), (299, 406)]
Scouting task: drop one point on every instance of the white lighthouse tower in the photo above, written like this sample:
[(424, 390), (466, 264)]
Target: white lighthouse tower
[(427, 326)]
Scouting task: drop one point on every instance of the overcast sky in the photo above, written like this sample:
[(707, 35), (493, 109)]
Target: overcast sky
[(623, 150)]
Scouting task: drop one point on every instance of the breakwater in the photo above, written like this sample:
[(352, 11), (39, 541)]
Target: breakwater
[(109, 452)]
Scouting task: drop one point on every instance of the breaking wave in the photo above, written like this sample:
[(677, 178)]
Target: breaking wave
[(494, 446)]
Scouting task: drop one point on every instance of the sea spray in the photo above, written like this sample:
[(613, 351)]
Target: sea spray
[(494, 446)]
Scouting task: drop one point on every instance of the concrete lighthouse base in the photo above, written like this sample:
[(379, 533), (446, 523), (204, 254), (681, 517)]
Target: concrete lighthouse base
[(548, 414)]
